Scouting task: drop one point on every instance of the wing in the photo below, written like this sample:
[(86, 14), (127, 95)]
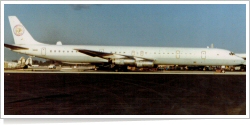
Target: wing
[(109, 56)]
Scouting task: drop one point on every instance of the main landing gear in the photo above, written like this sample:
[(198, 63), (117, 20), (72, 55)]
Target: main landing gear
[(120, 68), (220, 69)]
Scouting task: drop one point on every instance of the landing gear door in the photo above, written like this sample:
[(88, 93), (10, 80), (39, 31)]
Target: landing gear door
[(43, 51)]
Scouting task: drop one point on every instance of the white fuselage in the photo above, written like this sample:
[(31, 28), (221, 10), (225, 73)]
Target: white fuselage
[(160, 55)]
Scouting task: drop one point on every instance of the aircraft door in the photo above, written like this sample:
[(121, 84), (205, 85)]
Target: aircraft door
[(203, 54), (177, 54), (43, 51)]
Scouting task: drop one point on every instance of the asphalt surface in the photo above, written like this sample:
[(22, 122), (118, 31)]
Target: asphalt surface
[(123, 94), (79, 71)]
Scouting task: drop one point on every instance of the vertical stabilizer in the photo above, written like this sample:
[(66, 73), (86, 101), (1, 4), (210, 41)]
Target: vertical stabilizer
[(21, 62), (20, 33), (29, 61)]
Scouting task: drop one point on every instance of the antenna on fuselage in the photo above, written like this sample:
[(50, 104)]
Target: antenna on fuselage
[(212, 45), (58, 43)]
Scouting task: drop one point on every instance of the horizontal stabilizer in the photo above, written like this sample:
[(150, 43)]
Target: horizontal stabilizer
[(13, 47)]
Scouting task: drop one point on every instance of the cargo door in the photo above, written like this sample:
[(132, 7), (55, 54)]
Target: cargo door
[(43, 51)]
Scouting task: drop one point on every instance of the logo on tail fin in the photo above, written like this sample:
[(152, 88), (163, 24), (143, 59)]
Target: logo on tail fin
[(18, 30)]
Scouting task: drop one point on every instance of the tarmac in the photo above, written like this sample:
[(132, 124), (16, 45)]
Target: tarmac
[(116, 93), (81, 71)]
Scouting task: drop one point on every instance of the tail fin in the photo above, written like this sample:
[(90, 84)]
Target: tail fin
[(24, 63), (21, 62), (29, 61), (20, 33)]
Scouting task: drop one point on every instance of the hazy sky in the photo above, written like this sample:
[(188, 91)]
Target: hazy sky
[(132, 25)]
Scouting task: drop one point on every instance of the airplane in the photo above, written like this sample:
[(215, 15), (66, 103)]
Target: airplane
[(242, 55), (118, 57), (21, 63)]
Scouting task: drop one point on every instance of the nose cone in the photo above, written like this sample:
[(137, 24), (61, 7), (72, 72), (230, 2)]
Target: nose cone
[(241, 60), (244, 62)]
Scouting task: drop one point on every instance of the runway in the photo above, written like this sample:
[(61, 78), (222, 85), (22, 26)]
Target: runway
[(130, 72), (88, 93)]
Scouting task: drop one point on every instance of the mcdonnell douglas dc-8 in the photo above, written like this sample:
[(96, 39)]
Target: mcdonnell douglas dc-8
[(118, 57)]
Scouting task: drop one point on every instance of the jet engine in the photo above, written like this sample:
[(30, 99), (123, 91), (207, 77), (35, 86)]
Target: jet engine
[(133, 63), (144, 64), (124, 62)]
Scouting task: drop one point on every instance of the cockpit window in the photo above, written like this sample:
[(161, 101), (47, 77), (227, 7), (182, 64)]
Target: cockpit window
[(231, 53)]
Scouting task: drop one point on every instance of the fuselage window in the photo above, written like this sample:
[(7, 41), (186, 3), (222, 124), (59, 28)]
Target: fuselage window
[(54, 50), (59, 51), (50, 50)]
